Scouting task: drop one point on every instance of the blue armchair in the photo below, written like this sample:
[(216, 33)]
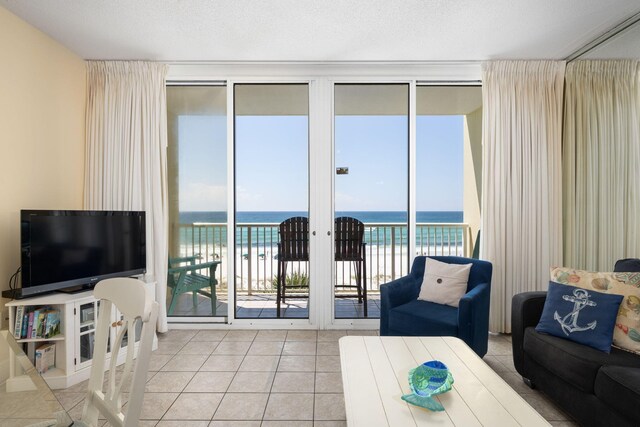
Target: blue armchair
[(401, 312)]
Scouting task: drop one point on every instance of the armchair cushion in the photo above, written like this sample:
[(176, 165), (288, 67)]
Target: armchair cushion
[(423, 318), (444, 283)]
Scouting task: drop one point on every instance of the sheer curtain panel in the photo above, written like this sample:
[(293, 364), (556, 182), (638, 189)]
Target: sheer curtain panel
[(126, 165), (601, 163), (522, 178)]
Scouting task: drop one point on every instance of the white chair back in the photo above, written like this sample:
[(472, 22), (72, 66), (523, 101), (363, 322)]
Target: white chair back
[(131, 299)]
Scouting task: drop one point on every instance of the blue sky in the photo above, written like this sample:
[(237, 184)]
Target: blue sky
[(439, 163), (374, 148), (202, 163), (272, 163)]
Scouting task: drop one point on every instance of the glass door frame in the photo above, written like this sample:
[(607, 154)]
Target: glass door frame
[(329, 307), (321, 78), (185, 321), (314, 301)]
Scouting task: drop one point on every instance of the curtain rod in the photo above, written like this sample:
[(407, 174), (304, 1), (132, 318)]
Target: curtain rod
[(624, 25)]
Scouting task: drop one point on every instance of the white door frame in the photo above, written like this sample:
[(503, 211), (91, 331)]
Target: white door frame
[(361, 323), (272, 323)]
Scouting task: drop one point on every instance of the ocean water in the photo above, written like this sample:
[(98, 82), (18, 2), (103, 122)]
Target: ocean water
[(364, 216), (374, 235)]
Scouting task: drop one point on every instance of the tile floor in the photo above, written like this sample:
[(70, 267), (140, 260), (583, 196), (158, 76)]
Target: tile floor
[(266, 378)]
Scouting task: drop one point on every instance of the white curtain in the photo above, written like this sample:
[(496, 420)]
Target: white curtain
[(126, 165), (602, 163), (522, 178)]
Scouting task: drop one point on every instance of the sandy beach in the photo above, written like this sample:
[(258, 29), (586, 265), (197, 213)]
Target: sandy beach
[(258, 266)]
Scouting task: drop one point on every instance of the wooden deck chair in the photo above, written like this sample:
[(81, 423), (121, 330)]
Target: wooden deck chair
[(185, 275), (130, 298), (293, 246), (350, 246)]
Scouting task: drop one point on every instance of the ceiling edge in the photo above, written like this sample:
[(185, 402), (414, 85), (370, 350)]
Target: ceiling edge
[(614, 31)]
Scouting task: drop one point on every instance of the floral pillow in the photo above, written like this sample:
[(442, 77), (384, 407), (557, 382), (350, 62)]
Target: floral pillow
[(627, 330)]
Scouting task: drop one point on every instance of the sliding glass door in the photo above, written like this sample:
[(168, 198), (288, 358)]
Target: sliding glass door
[(272, 200), (322, 216), (197, 189), (371, 194), (448, 164)]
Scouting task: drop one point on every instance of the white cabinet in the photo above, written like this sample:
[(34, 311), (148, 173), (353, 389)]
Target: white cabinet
[(74, 345)]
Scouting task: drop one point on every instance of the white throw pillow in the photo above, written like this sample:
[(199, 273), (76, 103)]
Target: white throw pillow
[(444, 283)]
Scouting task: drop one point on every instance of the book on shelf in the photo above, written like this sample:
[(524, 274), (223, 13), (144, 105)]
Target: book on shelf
[(17, 328), (30, 326), (36, 322), (25, 324), (52, 323), (34, 329), (40, 324), (45, 357)]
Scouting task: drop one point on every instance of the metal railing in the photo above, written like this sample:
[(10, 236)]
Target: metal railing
[(257, 247)]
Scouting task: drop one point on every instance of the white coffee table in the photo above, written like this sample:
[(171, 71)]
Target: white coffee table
[(375, 372)]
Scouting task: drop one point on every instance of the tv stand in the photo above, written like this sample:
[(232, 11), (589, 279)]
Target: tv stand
[(74, 344)]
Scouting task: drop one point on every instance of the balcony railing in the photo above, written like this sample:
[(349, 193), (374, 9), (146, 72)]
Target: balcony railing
[(257, 250)]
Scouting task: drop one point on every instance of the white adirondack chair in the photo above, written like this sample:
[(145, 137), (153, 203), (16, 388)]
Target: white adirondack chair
[(131, 299)]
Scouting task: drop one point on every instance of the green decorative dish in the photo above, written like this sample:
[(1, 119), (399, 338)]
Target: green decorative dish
[(427, 380)]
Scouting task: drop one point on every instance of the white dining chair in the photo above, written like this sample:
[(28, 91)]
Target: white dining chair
[(131, 299)]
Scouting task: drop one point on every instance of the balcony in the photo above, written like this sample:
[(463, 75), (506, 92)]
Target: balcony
[(257, 263)]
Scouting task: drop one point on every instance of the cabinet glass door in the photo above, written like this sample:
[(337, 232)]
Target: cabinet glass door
[(87, 319), (87, 327), (137, 329)]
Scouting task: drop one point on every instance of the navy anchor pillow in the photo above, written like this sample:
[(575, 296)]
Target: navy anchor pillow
[(584, 316)]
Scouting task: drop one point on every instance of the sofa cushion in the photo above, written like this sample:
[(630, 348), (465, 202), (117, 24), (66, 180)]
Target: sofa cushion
[(575, 363), (584, 316), (619, 388), (631, 265), (627, 331), (422, 318)]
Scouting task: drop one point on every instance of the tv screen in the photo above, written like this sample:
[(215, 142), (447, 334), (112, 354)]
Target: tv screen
[(62, 249)]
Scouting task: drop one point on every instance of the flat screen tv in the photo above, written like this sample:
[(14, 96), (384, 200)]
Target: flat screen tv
[(76, 249)]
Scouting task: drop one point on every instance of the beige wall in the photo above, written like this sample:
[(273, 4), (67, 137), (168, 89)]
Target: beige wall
[(473, 171), (42, 100)]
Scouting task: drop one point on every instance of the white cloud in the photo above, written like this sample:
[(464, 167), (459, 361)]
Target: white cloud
[(247, 201), (347, 202), (198, 196)]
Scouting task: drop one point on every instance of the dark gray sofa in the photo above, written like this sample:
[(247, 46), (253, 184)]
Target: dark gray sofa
[(595, 388)]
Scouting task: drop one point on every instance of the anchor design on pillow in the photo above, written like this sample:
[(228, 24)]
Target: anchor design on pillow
[(569, 323)]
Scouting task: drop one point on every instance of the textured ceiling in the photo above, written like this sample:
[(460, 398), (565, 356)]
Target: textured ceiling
[(323, 30)]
